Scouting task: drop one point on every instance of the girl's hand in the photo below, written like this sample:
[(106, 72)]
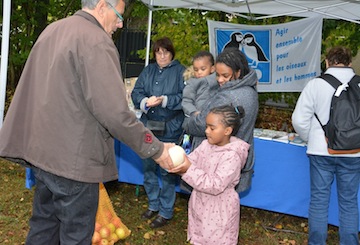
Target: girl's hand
[(182, 168)]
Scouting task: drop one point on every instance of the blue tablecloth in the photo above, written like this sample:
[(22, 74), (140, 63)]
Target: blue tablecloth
[(280, 182)]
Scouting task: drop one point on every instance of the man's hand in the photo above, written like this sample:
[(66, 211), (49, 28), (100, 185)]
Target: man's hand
[(165, 160)]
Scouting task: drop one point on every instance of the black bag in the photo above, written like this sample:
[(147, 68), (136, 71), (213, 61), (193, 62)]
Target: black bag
[(342, 131), (157, 127)]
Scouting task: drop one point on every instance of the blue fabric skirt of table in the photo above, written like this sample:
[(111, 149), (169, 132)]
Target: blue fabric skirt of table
[(281, 181)]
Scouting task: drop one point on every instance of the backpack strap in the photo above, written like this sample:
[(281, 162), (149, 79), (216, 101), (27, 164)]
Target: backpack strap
[(333, 81), (319, 120), (355, 80)]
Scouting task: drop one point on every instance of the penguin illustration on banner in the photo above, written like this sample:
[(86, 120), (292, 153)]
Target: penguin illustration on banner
[(236, 40), (254, 44), (252, 50)]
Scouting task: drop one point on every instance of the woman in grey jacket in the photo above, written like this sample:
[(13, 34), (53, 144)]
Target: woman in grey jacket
[(237, 88)]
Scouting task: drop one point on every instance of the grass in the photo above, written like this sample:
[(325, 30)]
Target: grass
[(257, 226)]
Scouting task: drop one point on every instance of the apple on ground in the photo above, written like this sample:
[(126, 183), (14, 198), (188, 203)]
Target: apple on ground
[(111, 227), (104, 242), (96, 237), (104, 232), (97, 226), (114, 237), (120, 232)]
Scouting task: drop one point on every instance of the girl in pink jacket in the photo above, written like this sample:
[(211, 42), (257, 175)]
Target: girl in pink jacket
[(213, 170)]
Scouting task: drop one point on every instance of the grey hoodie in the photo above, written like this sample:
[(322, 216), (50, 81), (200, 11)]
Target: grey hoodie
[(240, 92)]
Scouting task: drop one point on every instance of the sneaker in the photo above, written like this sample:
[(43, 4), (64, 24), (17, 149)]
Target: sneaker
[(159, 221), (148, 214)]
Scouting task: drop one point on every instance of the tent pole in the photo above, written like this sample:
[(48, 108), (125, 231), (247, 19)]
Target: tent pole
[(148, 38), (4, 56)]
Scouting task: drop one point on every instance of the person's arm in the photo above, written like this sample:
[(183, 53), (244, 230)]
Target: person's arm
[(104, 93), (304, 111), (195, 124), (173, 100), (138, 94), (212, 82), (189, 97)]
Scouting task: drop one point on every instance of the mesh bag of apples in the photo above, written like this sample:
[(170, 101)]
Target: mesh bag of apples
[(108, 226)]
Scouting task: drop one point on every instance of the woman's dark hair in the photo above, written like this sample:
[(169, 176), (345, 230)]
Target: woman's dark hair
[(235, 59), (339, 55), (231, 116), (165, 43)]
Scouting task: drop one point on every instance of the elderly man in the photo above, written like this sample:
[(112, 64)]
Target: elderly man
[(69, 105)]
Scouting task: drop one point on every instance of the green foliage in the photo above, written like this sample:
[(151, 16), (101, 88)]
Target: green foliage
[(9, 96), (340, 32), (186, 27), (27, 20)]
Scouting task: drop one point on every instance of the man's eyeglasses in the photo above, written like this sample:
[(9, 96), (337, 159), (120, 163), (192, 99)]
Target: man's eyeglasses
[(121, 19)]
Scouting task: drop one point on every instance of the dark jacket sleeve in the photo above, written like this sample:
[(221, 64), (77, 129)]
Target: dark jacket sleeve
[(138, 93)]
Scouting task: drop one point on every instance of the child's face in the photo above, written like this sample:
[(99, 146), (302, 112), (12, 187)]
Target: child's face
[(216, 132), (224, 73), (202, 67)]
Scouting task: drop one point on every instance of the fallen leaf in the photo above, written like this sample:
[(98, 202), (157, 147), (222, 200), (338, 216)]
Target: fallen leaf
[(176, 209), (147, 235), (160, 232), (278, 226)]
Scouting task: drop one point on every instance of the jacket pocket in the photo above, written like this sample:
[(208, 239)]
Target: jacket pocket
[(102, 143)]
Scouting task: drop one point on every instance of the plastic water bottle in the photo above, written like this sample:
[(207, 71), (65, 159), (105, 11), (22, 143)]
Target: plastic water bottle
[(186, 145)]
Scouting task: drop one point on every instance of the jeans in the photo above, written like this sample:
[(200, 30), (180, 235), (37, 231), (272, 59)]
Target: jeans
[(323, 169), (64, 211), (160, 199)]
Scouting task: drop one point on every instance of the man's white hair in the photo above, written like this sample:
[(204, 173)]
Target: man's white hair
[(91, 4)]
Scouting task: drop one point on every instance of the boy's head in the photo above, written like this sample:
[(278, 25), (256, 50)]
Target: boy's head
[(338, 56), (203, 64)]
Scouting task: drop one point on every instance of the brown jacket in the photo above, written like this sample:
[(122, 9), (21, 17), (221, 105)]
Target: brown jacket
[(69, 104)]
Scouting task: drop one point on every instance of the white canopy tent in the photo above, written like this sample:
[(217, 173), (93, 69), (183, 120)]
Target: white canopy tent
[(337, 9), (4, 55), (333, 9)]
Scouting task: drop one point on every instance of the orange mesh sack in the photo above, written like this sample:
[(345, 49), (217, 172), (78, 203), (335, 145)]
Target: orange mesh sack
[(108, 225)]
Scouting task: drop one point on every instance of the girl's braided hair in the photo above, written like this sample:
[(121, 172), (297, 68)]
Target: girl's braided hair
[(231, 116)]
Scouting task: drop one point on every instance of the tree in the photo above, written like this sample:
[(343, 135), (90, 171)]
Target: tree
[(27, 21), (186, 27)]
